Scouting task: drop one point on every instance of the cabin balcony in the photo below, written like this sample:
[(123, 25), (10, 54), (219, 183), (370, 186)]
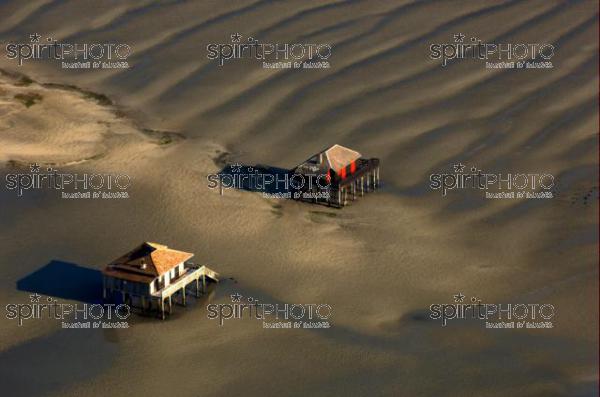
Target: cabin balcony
[(190, 274), (362, 168)]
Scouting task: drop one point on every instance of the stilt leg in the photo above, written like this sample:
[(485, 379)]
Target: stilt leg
[(374, 185)]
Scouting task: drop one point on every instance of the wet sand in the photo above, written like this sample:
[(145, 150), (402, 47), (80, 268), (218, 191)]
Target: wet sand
[(380, 263)]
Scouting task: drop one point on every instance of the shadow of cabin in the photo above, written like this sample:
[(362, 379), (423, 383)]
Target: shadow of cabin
[(245, 177), (64, 280), (333, 177)]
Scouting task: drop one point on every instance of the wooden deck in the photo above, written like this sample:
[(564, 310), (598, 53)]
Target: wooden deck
[(192, 274)]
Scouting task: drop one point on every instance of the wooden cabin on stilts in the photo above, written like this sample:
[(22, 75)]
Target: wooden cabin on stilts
[(152, 276), (341, 172)]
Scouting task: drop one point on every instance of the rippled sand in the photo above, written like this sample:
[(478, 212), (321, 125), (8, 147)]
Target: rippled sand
[(380, 263)]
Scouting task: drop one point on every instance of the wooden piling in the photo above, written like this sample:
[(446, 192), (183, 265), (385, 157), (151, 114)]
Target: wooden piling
[(374, 179)]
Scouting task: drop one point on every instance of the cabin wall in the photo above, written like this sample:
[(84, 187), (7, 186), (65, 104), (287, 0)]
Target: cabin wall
[(136, 288), (172, 274), (127, 286), (166, 279), (176, 272)]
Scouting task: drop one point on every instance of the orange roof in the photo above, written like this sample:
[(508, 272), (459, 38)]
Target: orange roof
[(147, 261)]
